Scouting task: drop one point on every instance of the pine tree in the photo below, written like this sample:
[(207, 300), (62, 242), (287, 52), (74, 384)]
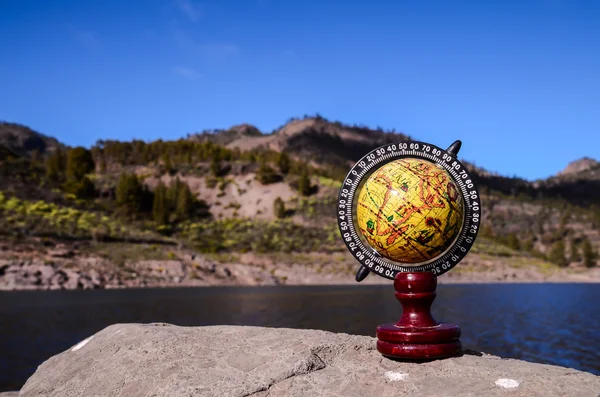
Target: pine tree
[(266, 174), (300, 168), (79, 164), (557, 254), (167, 162), (215, 166), (102, 163), (130, 193), (173, 193), (55, 166), (574, 255), (185, 202), (283, 162), (160, 210), (304, 184), (528, 244), (84, 189), (589, 254), (513, 242), (279, 208), (146, 155)]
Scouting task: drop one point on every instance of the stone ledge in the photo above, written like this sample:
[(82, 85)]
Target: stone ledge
[(166, 360)]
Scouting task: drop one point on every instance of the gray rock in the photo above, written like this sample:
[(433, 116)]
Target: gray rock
[(24, 275), (165, 360)]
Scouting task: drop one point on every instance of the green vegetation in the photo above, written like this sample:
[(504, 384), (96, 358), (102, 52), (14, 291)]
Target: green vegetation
[(279, 208), (590, 256), (130, 195), (24, 217), (284, 163), (557, 254), (123, 253), (304, 186), (160, 208), (185, 202), (574, 255), (267, 175), (79, 164), (55, 166), (215, 166), (243, 235), (487, 246), (513, 242), (330, 183)]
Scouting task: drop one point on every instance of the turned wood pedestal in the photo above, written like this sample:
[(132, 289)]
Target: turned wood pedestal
[(417, 336)]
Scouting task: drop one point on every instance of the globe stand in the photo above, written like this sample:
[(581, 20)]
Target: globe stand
[(417, 336)]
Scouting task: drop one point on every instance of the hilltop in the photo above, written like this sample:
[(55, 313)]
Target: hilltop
[(585, 167), (240, 206), (19, 140), (313, 139)]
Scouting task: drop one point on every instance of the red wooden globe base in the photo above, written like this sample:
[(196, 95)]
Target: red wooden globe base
[(417, 336)]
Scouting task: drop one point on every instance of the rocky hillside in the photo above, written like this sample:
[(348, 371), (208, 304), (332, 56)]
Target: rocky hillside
[(578, 183), (314, 139), (220, 196), (19, 140), (584, 168)]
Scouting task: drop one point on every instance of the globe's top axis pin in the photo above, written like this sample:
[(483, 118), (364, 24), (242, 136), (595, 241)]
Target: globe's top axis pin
[(454, 148)]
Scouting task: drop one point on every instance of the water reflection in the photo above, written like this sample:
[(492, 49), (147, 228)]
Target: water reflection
[(548, 323)]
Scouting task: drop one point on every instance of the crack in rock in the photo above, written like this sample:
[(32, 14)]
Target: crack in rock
[(312, 364)]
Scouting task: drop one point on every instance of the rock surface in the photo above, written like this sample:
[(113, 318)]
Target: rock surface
[(166, 360), (577, 166)]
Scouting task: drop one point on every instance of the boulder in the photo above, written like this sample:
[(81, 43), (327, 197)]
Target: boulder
[(166, 360)]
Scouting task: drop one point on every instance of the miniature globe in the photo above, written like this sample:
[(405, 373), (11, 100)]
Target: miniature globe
[(410, 210)]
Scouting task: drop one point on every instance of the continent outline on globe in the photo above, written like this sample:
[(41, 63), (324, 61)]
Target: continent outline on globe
[(374, 261)]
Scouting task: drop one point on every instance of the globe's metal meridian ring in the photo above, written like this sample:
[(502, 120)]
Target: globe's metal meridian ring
[(370, 259)]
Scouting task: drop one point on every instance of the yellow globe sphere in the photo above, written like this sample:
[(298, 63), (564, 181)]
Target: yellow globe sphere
[(410, 210)]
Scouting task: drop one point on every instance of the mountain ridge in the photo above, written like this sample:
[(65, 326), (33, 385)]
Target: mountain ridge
[(22, 140), (579, 165), (316, 139)]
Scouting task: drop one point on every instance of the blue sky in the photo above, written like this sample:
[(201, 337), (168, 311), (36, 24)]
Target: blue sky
[(517, 81)]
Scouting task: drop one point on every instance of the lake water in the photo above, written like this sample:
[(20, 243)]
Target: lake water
[(545, 323)]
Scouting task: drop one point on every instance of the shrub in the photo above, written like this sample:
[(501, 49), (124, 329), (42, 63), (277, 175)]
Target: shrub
[(557, 254), (513, 242), (573, 255), (589, 254), (266, 175), (279, 208), (130, 194), (160, 208), (284, 163), (79, 164), (184, 206), (304, 184), (55, 166)]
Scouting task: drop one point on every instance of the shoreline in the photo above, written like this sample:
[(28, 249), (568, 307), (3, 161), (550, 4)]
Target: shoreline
[(189, 270), (377, 281)]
